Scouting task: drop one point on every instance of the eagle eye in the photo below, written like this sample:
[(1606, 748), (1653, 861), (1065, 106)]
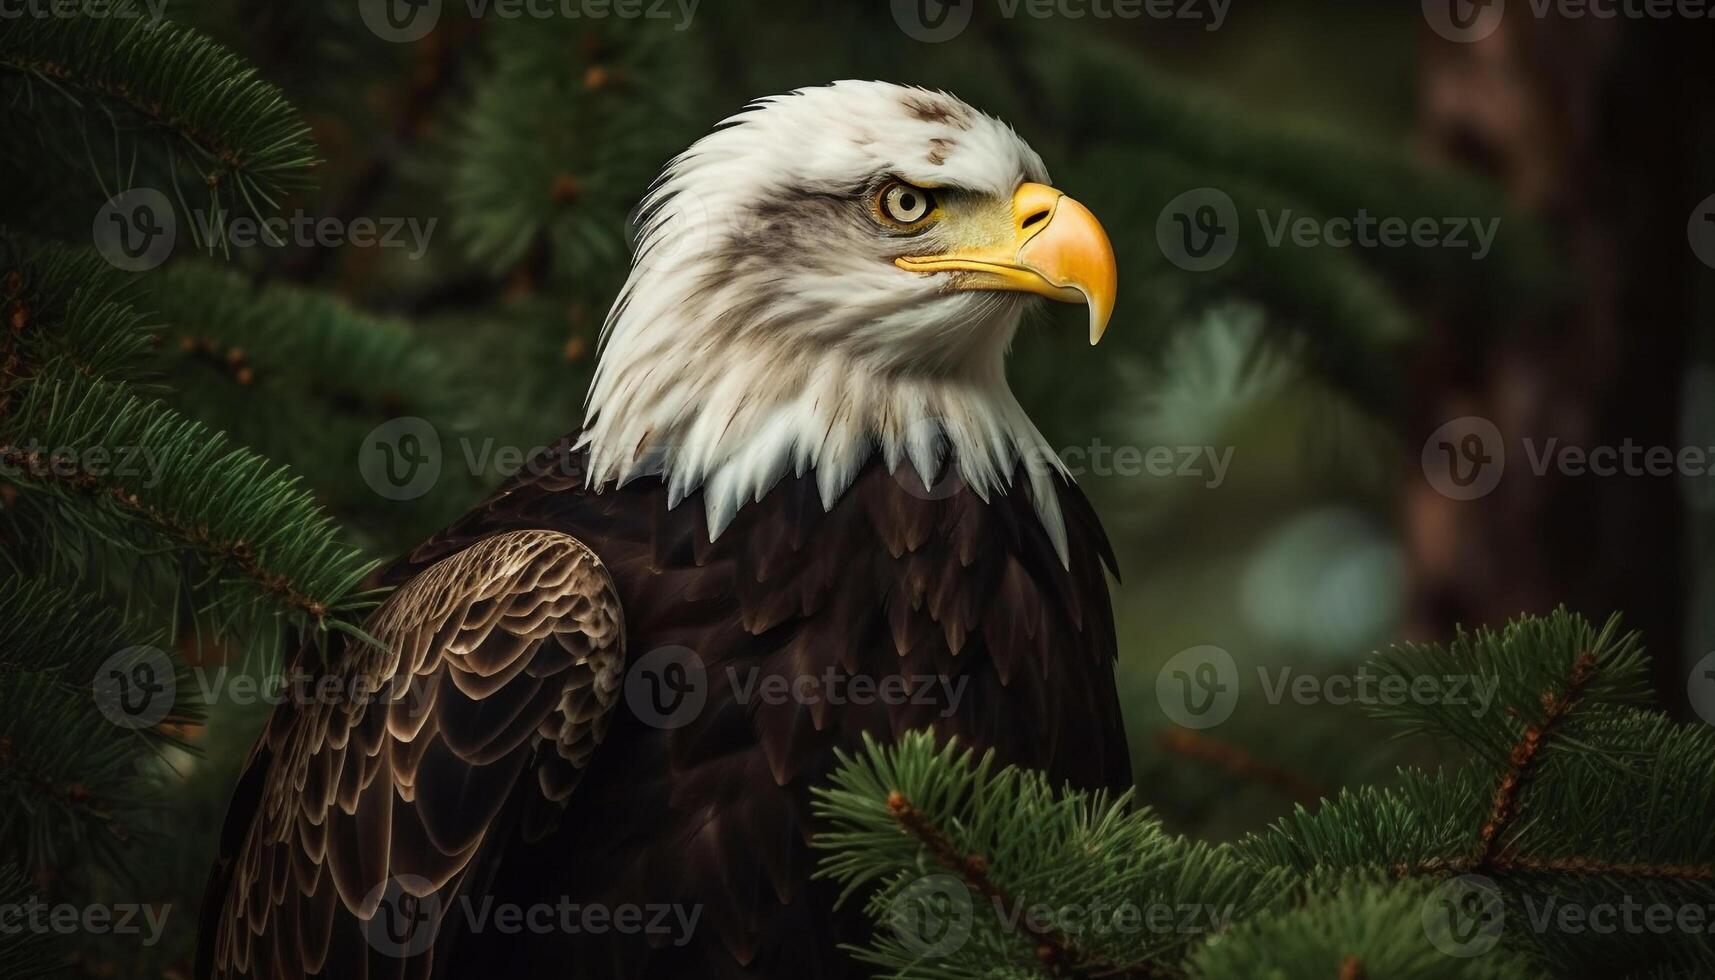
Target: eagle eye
[(904, 206)]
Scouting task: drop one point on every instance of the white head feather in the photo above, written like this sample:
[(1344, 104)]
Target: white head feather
[(765, 329)]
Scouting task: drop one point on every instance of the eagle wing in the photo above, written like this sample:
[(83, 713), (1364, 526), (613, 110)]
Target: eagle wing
[(470, 721)]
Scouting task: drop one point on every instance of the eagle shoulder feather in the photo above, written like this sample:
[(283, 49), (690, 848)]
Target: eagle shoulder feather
[(490, 684)]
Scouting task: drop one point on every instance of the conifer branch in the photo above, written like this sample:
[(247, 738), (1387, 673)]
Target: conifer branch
[(1056, 952), (227, 505), (1521, 761), (239, 554), (248, 144)]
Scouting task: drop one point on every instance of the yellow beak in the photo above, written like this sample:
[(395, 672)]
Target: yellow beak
[(1058, 249)]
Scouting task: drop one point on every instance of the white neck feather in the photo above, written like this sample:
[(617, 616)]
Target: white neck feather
[(735, 421), (736, 355)]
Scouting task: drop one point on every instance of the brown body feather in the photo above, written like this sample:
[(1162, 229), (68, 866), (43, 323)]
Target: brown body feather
[(710, 818)]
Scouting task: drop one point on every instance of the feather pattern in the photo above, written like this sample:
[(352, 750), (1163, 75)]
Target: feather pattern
[(706, 823), (501, 659)]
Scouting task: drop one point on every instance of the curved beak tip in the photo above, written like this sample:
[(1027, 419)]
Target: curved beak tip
[(1065, 257), (1072, 252)]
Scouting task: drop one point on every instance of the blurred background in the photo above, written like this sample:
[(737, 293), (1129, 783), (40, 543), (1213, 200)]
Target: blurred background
[(1304, 450)]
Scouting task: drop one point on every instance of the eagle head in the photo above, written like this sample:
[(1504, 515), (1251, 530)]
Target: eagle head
[(834, 274)]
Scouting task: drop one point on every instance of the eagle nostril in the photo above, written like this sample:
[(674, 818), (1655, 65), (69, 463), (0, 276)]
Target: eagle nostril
[(1039, 216)]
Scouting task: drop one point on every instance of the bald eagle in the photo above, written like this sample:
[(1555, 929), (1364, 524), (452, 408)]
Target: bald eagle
[(803, 506)]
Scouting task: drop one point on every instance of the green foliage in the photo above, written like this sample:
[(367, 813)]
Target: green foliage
[(1573, 843), (103, 474), (1362, 928), (561, 138), (74, 789), (311, 375), (95, 331), (27, 954), (1574, 799), (1096, 882), (121, 95), (1561, 653)]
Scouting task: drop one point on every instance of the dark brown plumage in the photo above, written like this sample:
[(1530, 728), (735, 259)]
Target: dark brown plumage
[(711, 817)]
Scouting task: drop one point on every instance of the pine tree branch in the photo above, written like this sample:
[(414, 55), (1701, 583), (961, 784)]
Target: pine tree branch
[(1510, 862), (1056, 951), (228, 506), (17, 319), (66, 309), (236, 553), (1063, 870), (1522, 759), (1235, 761), (247, 143), (316, 347), (1592, 867), (71, 781)]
